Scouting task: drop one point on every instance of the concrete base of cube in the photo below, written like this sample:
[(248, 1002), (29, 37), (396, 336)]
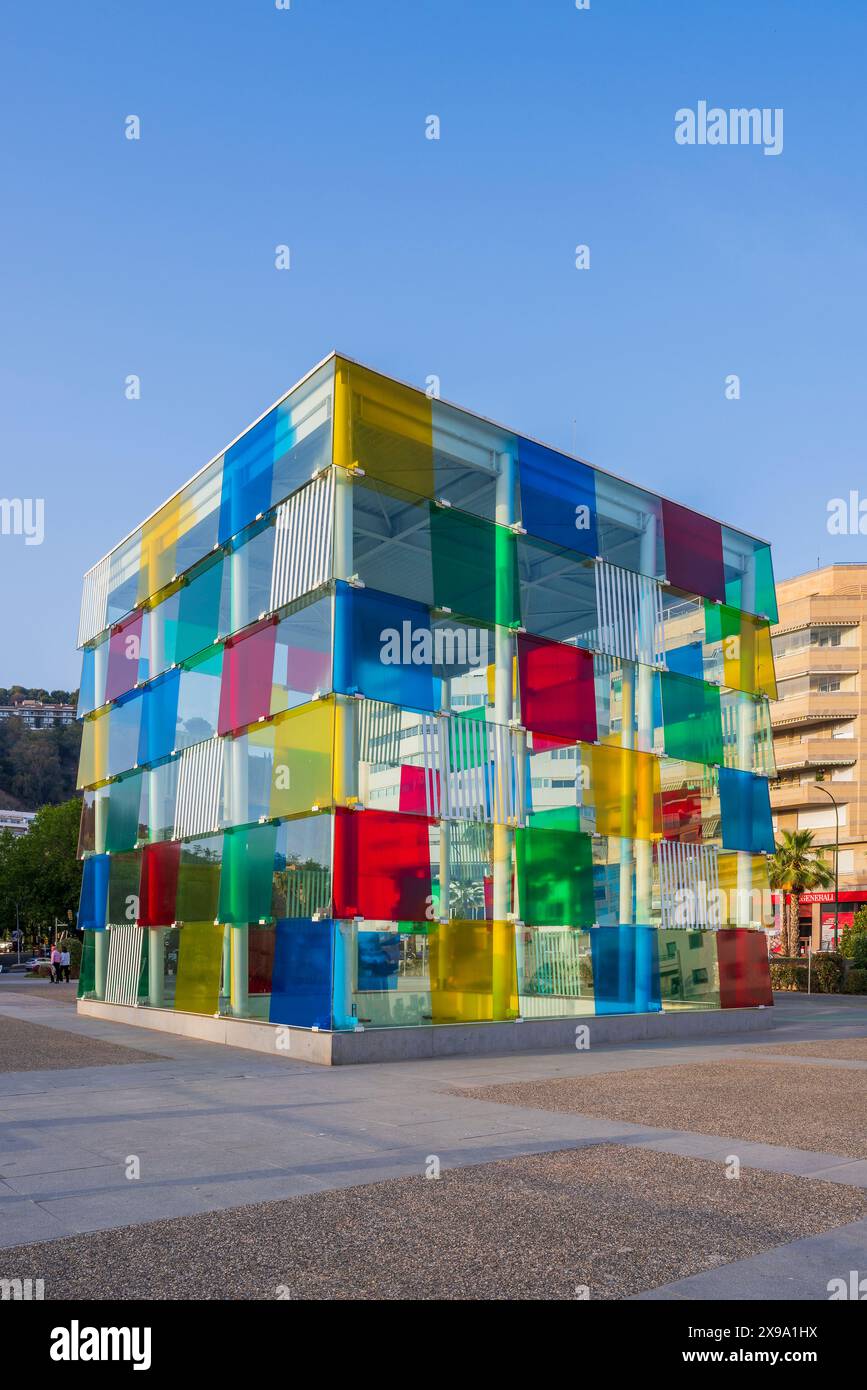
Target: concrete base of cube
[(439, 1040)]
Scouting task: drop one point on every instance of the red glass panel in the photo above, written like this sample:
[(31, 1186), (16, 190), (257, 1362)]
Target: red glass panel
[(744, 972), (681, 816), (381, 865), (558, 696), (260, 947), (248, 669), (159, 884), (419, 789), (124, 649), (693, 552)]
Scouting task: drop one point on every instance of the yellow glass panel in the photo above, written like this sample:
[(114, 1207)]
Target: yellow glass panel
[(491, 674), (473, 976), (200, 956), (158, 541), (383, 427), (756, 908), (93, 762), (303, 756), (623, 786)]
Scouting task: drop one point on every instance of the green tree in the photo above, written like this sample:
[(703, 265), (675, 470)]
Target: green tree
[(796, 868), (40, 872)]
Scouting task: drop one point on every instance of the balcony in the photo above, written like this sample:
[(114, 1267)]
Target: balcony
[(822, 610), (816, 753), (794, 798), (814, 708), (815, 661)]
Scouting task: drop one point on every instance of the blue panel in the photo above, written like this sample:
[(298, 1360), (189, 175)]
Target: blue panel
[(745, 805), (378, 960), (558, 498), (159, 718), (687, 660), (87, 686), (302, 972), (625, 970), (124, 726), (248, 468), (383, 647), (93, 905)]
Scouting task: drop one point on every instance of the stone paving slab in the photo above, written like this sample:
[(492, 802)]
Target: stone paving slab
[(615, 1220), (801, 1271)]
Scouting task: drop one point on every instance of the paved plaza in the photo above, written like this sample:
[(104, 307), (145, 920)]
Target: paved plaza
[(564, 1174)]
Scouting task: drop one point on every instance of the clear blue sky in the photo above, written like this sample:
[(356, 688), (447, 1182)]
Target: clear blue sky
[(455, 257)]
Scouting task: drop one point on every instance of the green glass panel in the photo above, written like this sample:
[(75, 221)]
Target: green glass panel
[(200, 956), (199, 611), (87, 968), (198, 893), (248, 872), (555, 877), (124, 812), (475, 569), (692, 719), (123, 887)]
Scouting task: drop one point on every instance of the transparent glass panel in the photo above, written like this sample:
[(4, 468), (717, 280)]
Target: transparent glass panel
[(555, 972), (247, 571), (629, 526), (558, 593), (123, 578), (391, 542), (468, 460), (302, 874), (628, 704), (124, 730), (688, 970), (302, 655), (199, 698)]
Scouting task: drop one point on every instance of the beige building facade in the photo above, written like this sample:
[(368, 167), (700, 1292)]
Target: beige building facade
[(820, 721)]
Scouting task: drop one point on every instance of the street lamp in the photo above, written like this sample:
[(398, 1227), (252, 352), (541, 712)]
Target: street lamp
[(820, 777)]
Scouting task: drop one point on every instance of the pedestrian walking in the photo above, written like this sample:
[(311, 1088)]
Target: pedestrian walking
[(55, 965), (65, 963)]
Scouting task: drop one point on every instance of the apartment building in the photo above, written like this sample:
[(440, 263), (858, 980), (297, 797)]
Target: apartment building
[(819, 729)]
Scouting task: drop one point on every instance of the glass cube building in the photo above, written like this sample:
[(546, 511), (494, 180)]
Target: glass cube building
[(393, 716)]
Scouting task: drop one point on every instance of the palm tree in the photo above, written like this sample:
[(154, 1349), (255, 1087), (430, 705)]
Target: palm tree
[(796, 868)]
